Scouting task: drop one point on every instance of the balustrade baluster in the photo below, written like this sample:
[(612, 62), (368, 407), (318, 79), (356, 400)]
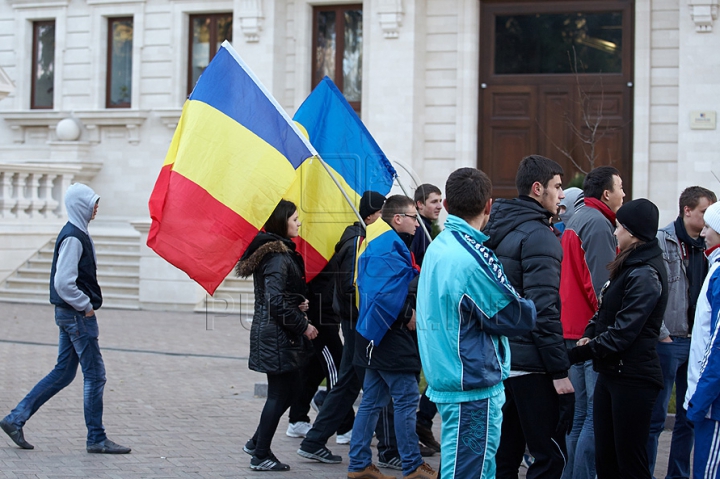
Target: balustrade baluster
[(22, 202), (32, 187), (46, 194), (7, 203)]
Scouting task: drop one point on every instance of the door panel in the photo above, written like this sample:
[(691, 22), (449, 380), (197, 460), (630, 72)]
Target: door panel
[(510, 114), (579, 119)]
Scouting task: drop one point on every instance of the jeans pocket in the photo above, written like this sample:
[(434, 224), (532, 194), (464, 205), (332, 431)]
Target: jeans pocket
[(89, 326)]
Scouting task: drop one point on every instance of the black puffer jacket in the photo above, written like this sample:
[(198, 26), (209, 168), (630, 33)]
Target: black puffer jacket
[(277, 344), (625, 330), (530, 253)]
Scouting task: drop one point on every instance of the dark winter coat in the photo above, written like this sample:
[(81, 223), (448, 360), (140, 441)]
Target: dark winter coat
[(625, 330), (344, 261), (277, 344), (531, 254)]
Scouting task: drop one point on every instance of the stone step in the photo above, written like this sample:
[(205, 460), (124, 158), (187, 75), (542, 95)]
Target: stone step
[(110, 300), (118, 261), (129, 267), (45, 255)]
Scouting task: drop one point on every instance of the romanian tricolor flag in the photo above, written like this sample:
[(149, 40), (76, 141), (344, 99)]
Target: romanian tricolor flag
[(384, 272), (233, 156), (353, 158)]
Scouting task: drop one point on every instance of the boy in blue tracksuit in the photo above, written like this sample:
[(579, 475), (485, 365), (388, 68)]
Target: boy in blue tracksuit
[(702, 399), (466, 308)]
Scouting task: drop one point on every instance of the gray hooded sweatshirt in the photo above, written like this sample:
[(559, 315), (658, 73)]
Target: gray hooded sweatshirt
[(80, 202)]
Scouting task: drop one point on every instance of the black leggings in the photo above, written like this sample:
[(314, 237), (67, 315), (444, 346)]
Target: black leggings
[(280, 395), (621, 415)]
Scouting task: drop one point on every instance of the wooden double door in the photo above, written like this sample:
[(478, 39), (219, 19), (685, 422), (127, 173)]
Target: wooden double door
[(556, 80)]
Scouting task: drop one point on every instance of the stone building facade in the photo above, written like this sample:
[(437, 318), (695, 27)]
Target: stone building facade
[(421, 98)]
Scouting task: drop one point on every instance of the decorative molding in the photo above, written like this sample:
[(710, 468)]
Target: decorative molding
[(130, 119), (703, 13), (391, 17), (169, 116), (21, 120), (110, 2), (251, 19), (38, 3)]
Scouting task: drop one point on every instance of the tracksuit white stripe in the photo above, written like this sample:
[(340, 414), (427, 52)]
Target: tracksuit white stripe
[(332, 370), (711, 466)]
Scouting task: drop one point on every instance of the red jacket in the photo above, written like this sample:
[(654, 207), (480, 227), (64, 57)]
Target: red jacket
[(588, 247)]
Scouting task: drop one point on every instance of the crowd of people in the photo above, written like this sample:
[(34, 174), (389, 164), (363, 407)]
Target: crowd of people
[(550, 329)]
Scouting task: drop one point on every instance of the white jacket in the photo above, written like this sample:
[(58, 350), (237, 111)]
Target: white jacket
[(701, 331)]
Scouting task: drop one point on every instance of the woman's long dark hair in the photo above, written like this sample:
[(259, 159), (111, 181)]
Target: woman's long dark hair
[(278, 221), (616, 266)]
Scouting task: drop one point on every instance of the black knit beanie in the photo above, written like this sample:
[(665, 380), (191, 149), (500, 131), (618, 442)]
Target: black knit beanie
[(640, 217), (371, 202)]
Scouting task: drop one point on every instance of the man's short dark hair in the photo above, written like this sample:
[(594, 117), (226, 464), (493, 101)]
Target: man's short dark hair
[(599, 180), (535, 168), (691, 196), (396, 205), (278, 221), (467, 190), (423, 191)]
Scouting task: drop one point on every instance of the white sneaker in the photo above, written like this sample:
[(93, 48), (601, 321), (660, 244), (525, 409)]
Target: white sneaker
[(344, 438), (298, 429)]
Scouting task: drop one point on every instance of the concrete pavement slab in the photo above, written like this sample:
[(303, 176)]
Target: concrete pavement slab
[(179, 392)]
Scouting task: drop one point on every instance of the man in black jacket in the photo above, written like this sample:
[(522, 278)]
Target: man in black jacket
[(338, 405), (538, 387)]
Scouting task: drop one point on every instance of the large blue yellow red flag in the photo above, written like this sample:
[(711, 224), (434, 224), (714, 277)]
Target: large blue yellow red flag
[(233, 156), (351, 155), (384, 272)]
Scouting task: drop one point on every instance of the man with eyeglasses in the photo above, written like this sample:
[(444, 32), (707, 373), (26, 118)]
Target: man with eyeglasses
[(385, 344)]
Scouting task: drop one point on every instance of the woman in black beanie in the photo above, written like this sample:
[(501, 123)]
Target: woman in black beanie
[(621, 339)]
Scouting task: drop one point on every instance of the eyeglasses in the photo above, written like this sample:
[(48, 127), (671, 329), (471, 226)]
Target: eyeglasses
[(414, 217)]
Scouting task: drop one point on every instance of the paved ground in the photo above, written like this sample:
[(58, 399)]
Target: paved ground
[(179, 393)]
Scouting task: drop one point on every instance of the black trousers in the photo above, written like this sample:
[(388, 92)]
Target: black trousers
[(530, 416), (426, 411), (325, 363), (281, 392), (622, 410), (338, 406)]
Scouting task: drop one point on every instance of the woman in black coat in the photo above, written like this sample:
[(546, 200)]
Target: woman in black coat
[(621, 339), (280, 333)]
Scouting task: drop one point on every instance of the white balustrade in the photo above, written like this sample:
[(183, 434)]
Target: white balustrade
[(33, 191)]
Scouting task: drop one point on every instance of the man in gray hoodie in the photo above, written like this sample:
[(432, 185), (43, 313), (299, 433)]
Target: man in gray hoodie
[(75, 292)]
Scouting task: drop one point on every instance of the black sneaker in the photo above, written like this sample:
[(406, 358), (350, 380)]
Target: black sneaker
[(426, 451), (16, 434), (392, 463), (323, 455), (107, 447), (426, 437), (270, 463), (249, 447)]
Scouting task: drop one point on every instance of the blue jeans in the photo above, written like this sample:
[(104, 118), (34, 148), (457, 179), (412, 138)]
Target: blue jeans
[(378, 389), (78, 344), (581, 440), (674, 363)]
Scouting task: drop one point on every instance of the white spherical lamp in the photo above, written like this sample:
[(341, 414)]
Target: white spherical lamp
[(67, 130)]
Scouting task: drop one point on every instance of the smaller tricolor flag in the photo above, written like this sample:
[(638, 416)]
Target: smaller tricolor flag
[(384, 272), (352, 157), (233, 156)]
